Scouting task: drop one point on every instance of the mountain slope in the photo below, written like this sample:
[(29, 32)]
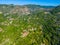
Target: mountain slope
[(23, 9), (38, 28), (13, 9), (33, 29), (56, 11)]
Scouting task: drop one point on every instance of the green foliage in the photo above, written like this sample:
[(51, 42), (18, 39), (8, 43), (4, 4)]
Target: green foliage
[(34, 29)]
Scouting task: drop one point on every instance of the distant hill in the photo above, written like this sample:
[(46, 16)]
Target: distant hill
[(56, 10), (22, 9), (38, 6), (34, 7), (13, 9)]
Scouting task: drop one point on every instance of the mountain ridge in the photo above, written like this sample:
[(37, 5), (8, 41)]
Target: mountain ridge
[(24, 9)]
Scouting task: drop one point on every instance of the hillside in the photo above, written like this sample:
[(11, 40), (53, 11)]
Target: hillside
[(56, 11), (21, 26), (22, 9), (13, 9)]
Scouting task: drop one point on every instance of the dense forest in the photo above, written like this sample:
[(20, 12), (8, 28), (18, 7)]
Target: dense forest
[(19, 26)]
